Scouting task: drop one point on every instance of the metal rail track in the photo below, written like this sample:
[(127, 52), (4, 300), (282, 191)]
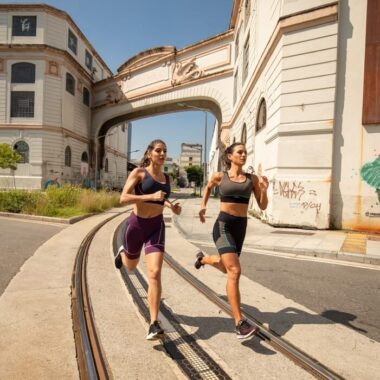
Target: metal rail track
[(190, 357), (299, 357), (92, 363)]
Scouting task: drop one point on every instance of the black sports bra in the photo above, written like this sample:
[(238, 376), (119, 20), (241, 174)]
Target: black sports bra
[(149, 186)]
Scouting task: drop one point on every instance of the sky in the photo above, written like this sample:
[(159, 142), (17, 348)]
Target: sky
[(119, 29)]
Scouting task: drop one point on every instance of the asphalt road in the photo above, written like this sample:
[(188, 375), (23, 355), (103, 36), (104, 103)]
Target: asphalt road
[(19, 239), (345, 295)]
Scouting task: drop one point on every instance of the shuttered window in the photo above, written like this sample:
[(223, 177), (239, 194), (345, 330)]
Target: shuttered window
[(371, 95)]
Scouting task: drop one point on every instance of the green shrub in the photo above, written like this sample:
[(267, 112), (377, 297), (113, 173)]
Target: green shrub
[(19, 200), (60, 202), (66, 196)]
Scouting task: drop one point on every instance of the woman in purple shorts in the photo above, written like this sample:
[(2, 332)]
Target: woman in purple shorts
[(235, 188), (148, 188)]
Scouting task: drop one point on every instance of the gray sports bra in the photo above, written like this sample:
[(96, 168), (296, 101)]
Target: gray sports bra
[(235, 192)]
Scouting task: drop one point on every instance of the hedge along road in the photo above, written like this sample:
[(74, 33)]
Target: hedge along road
[(19, 239)]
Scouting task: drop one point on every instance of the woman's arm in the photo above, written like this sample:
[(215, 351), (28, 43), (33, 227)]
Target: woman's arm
[(214, 181), (127, 196), (260, 187)]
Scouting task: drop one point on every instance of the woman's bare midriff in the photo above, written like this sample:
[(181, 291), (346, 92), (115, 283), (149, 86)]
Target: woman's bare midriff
[(235, 209), (148, 210)]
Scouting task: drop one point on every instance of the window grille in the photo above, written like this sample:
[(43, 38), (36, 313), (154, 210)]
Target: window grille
[(22, 104), (22, 148), (70, 84), (68, 156)]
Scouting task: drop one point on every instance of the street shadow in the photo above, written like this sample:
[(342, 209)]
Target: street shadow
[(207, 327), (343, 318)]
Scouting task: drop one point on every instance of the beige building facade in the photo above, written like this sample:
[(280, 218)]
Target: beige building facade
[(47, 72), (191, 155)]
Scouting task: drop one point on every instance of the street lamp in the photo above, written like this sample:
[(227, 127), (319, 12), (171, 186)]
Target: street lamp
[(184, 105)]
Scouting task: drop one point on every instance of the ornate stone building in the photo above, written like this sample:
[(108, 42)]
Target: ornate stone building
[(47, 72)]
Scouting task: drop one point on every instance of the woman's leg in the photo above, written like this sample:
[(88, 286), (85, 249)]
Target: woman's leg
[(130, 264), (154, 266), (232, 264), (215, 261)]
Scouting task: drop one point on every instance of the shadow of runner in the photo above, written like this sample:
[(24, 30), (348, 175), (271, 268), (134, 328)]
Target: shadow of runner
[(207, 327), (343, 318)]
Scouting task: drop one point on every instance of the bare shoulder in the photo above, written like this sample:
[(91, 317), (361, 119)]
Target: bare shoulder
[(217, 177)]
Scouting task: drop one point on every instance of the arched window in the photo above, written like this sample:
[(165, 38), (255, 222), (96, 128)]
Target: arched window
[(86, 96), (22, 148), (84, 157), (261, 120), (243, 138), (68, 156), (106, 165), (70, 84), (23, 72)]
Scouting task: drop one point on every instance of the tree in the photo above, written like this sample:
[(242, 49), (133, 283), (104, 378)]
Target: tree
[(194, 174), (9, 159)]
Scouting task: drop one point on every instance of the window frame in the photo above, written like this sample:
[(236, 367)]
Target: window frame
[(86, 100), (262, 106), (23, 153), (16, 112), (16, 33), (68, 88), (87, 54), (19, 65), (68, 156), (245, 59), (72, 46)]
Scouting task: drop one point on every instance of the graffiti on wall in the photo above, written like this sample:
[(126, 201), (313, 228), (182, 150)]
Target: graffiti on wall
[(370, 173), (299, 196)]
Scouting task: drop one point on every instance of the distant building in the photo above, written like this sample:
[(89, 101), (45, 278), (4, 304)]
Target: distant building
[(47, 72), (191, 154)]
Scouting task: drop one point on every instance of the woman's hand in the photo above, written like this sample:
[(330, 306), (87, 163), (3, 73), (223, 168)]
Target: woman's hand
[(176, 208), (202, 214), (158, 196), (263, 183)]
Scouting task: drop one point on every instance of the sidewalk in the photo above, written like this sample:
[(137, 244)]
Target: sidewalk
[(331, 244)]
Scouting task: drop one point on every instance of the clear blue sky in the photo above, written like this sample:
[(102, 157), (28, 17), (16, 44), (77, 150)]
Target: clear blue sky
[(119, 29)]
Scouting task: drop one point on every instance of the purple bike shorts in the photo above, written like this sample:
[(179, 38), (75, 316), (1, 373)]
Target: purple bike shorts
[(143, 231)]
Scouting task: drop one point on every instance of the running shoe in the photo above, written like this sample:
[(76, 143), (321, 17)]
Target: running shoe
[(198, 262), (155, 331), (244, 329), (118, 261)]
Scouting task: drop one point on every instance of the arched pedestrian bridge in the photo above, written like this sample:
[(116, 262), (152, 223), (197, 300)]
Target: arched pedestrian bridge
[(164, 79)]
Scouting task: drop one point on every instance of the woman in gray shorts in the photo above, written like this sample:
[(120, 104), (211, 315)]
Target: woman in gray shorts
[(148, 188), (235, 188)]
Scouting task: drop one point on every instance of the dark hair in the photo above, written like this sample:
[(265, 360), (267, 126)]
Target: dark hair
[(229, 150), (145, 161)]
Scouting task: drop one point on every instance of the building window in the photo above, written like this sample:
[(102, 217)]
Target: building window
[(166, 169), (261, 120), (24, 26), (237, 46), (22, 148), (68, 156), (244, 134), (84, 157), (246, 59), (106, 165), (72, 42), (371, 88), (88, 60), (22, 104), (70, 84), (235, 87), (247, 12), (86, 96), (190, 158), (23, 72)]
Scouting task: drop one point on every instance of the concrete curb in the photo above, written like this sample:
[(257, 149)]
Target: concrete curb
[(72, 220), (326, 254)]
